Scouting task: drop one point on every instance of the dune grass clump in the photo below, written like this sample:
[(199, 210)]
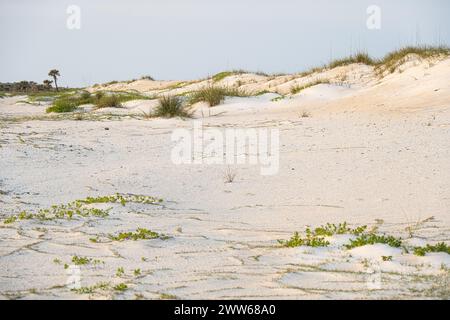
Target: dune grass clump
[(214, 95), (109, 101), (389, 62), (65, 104), (171, 106), (140, 234), (69, 102), (440, 247), (360, 57), (393, 59), (371, 238)]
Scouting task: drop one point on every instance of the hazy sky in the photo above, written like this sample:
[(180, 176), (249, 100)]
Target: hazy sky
[(187, 39)]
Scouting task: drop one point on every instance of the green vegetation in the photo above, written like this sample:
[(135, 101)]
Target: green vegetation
[(123, 199), (388, 62), (64, 104), (68, 211), (109, 101), (167, 296), (440, 247), (80, 261), (366, 239), (296, 89), (137, 272), (140, 234), (92, 289), (70, 101), (147, 77), (54, 73), (310, 240), (316, 237), (81, 208), (361, 57), (120, 287), (215, 95), (276, 99), (222, 75), (342, 228), (120, 271), (171, 106), (393, 59)]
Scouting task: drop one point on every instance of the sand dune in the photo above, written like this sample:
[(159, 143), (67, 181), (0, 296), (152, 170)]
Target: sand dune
[(363, 148)]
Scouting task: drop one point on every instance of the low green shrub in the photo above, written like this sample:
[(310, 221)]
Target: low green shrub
[(171, 106), (368, 239)]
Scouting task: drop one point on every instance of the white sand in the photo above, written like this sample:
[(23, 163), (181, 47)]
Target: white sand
[(372, 152)]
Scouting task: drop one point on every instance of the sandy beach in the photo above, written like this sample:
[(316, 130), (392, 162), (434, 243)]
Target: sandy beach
[(359, 148)]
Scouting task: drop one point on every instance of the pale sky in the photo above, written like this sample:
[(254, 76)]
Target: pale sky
[(188, 39)]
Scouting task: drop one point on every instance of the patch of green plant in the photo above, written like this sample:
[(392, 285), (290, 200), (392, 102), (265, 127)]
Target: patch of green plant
[(222, 75), (68, 211), (137, 272), (123, 199), (80, 261), (276, 99), (297, 89), (92, 289), (109, 101), (120, 287), (81, 208), (63, 105), (386, 258), (167, 296), (214, 95), (120, 271), (260, 93), (368, 239), (311, 240), (171, 106), (140, 234), (10, 219), (178, 85), (69, 102), (341, 228), (440, 247)]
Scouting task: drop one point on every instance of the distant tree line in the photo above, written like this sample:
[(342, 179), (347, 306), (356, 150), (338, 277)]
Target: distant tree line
[(31, 86)]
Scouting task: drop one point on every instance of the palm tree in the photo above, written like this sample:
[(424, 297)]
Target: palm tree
[(54, 73), (47, 83)]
